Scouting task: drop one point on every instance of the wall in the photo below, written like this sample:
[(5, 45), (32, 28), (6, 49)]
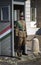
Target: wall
[(0, 47), (5, 38), (27, 13), (31, 28), (6, 46), (5, 32)]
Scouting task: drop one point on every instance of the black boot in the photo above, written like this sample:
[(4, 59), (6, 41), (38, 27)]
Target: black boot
[(19, 53)]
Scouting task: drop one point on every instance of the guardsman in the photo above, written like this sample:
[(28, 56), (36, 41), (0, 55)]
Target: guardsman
[(22, 35)]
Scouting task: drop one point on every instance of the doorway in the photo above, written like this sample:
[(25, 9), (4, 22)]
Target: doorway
[(17, 10)]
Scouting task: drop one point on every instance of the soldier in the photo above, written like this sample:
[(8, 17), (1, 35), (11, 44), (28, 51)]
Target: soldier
[(21, 34)]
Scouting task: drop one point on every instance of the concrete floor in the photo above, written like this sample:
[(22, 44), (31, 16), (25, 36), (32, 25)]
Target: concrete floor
[(25, 60)]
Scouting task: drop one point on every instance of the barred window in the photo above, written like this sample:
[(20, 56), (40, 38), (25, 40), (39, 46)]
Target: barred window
[(33, 10)]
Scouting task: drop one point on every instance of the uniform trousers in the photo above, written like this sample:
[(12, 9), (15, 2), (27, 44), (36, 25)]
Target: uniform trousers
[(21, 45)]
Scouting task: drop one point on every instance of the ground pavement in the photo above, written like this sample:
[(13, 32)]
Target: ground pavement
[(25, 60)]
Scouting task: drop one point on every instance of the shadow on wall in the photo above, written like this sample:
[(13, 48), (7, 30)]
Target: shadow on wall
[(38, 32)]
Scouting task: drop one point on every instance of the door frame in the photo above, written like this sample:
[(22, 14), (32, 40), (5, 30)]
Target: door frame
[(13, 3)]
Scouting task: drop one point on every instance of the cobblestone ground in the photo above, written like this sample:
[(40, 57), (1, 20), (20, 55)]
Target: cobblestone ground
[(25, 60)]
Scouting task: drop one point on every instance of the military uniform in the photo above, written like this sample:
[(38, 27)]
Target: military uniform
[(22, 35)]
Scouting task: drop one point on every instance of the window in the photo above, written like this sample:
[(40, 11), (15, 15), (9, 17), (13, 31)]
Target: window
[(33, 10), (5, 13), (33, 14)]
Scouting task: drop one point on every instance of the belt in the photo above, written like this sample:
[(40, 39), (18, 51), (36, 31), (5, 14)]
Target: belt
[(22, 30)]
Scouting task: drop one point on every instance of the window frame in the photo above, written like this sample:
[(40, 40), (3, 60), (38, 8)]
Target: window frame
[(35, 14), (8, 13), (32, 14)]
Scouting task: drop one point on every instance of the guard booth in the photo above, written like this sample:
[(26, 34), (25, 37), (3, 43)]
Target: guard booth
[(10, 14)]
